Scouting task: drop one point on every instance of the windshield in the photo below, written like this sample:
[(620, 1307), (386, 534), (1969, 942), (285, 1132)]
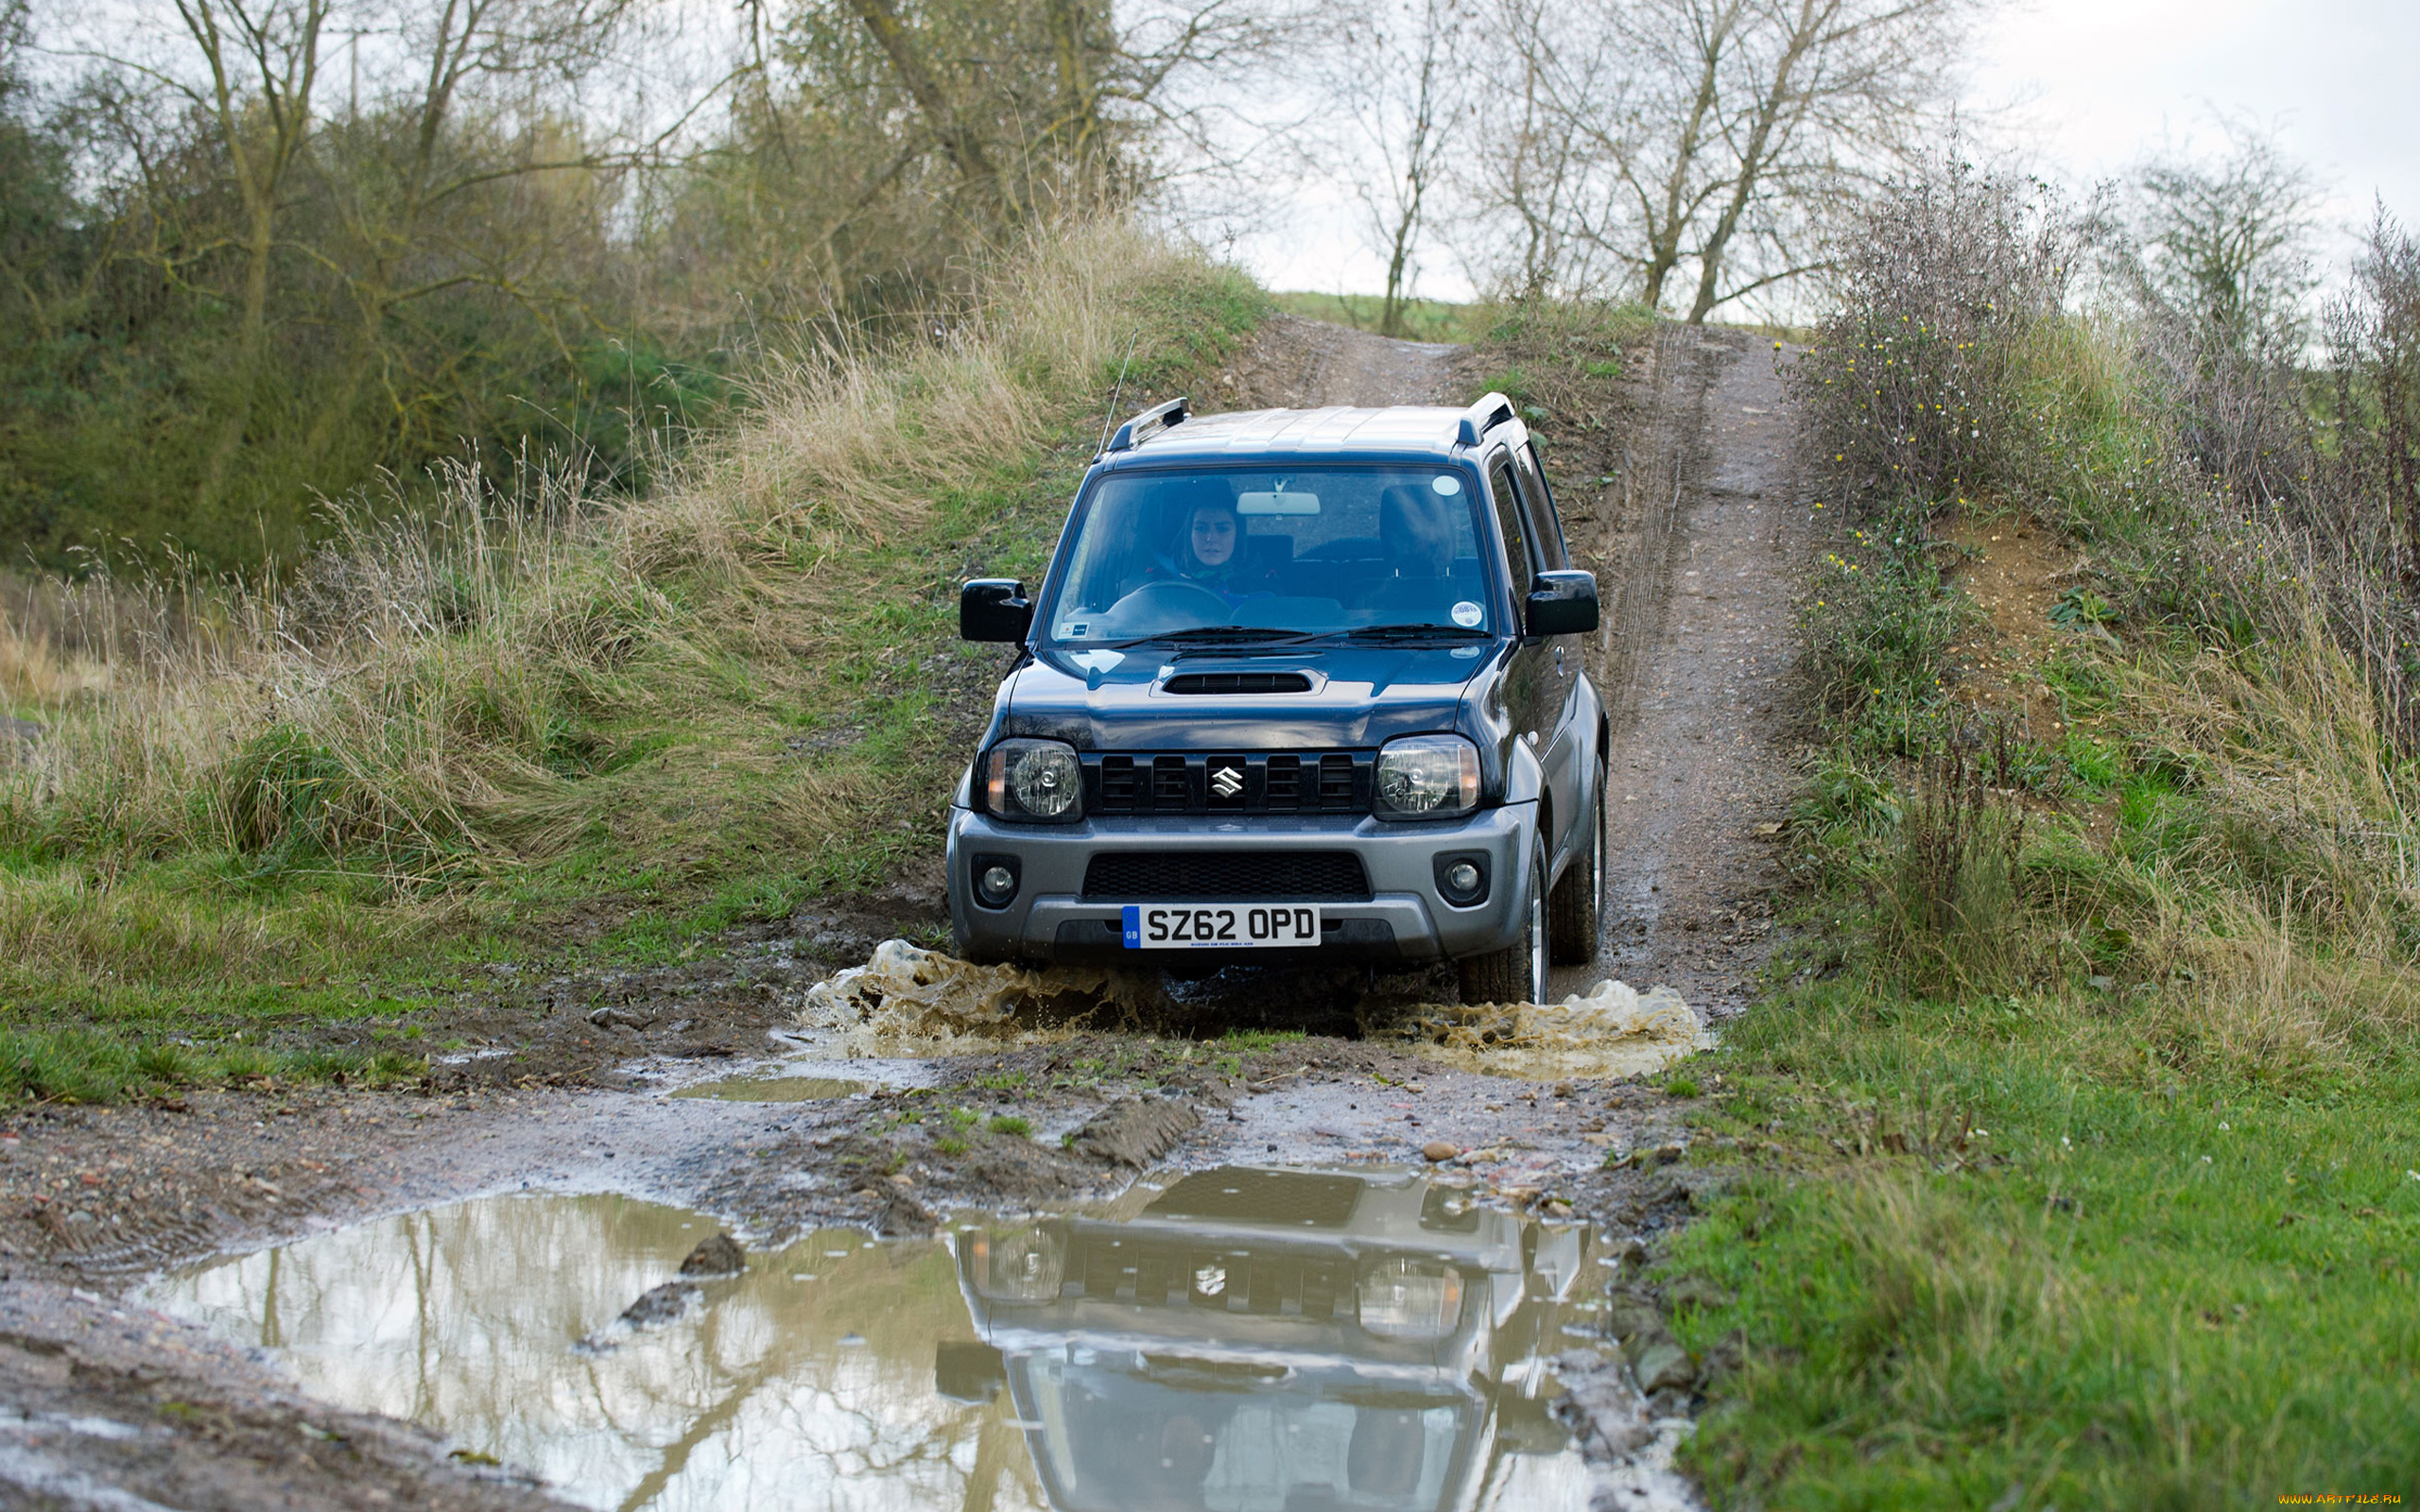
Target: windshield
[(1259, 553), (1123, 1433)]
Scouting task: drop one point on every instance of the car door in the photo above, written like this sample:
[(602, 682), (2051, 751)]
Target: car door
[(1563, 753), (1528, 683)]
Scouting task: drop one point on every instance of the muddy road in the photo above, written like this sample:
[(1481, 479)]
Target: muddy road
[(983, 1261)]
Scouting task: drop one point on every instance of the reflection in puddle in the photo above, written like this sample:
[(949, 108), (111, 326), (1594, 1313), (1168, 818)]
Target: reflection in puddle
[(772, 1089), (1250, 1341)]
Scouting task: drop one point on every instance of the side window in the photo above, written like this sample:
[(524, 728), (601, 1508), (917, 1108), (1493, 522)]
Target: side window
[(1546, 524), (1508, 519)]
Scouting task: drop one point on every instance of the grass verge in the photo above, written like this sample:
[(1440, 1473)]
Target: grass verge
[(2070, 1159), (544, 727)]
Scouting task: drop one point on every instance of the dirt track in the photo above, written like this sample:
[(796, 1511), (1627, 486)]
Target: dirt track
[(1696, 539)]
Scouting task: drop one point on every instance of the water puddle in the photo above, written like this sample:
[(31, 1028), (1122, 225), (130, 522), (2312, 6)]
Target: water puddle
[(773, 1087), (1245, 1340)]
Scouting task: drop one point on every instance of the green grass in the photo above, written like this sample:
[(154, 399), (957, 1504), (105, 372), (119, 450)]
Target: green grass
[(1011, 1124), (1424, 320), (2103, 1286), (1249, 1041)]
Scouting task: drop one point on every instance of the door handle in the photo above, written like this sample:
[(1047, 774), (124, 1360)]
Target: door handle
[(1558, 659)]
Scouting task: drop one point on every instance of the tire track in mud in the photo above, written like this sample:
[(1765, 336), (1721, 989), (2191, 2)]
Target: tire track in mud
[(1698, 662)]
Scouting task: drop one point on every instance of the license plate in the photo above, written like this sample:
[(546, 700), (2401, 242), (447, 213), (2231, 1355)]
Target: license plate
[(1219, 926)]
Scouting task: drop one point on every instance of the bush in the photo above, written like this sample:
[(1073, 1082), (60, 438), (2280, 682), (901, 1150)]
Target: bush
[(1912, 390)]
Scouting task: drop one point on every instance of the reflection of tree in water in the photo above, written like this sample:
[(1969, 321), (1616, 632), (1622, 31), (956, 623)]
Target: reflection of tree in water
[(466, 1319)]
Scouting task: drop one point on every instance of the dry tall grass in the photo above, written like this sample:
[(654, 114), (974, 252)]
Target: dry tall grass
[(2283, 923), (421, 696)]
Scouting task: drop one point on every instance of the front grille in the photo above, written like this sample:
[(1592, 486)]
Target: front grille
[(1239, 876), (1335, 781), (1172, 1273)]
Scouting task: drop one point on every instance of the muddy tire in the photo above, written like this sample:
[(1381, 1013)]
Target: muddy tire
[(1517, 973), (1575, 910)]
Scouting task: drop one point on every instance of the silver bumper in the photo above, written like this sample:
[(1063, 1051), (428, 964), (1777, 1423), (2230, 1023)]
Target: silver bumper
[(1406, 917)]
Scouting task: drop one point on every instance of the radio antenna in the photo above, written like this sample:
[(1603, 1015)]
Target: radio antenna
[(1114, 394)]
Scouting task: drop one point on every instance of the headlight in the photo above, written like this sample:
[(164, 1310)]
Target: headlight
[(1034, 779), (1409, 1300), (1428, 777), (1018, 1265)]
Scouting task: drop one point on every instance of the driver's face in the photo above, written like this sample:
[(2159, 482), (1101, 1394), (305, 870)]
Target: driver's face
[(1214, 537)]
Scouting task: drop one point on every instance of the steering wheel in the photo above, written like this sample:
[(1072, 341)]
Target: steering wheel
[(1168, 605)]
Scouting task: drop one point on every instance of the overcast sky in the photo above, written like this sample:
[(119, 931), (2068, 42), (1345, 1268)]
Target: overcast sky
[(2087, 87)]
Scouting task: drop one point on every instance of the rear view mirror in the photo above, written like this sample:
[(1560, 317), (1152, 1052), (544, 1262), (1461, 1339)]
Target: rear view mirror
[(1561, 603), (993, 608)]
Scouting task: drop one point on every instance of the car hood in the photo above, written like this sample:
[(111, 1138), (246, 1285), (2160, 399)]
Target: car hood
[(1360, 697)]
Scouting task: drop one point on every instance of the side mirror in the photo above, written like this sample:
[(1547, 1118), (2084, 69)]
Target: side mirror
[(1560, 603), (969, 1372), (993, 608)]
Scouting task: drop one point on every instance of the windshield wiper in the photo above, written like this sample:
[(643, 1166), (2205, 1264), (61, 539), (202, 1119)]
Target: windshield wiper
[(1409, 632), (1252, 633)]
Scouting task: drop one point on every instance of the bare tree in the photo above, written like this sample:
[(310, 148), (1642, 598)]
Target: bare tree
[(1717, 137), (1396, 74), (2227, 241), (251, 76)]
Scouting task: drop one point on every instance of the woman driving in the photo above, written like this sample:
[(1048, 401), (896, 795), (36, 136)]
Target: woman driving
[(1209, 552)]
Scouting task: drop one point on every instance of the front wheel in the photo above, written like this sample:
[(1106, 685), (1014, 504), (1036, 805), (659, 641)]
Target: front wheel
[(1517, 973), (1576, 912)]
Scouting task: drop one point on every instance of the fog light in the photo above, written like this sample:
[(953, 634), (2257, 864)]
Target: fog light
[(996, 881), (1462, 878)]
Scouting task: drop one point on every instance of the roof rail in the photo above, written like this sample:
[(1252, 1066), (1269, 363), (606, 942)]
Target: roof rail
[(1148, 424), (1483, 416)]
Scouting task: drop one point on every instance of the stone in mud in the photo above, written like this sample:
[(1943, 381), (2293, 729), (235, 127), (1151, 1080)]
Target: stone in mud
[(661, 1304), (1630, 1316), (901, 1216), (1663, 1366), (1439, 1151), (719, 1256), (614, 1017), (1135, 1131)]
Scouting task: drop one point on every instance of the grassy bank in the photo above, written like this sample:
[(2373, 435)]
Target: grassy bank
[(2072, 1155), (546, 715), (1423, 320)]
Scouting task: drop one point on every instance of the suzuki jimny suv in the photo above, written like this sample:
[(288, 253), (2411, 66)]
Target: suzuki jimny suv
[(1304, 681)]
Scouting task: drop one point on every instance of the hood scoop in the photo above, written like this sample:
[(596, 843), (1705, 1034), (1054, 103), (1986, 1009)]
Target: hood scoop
[(1215, 684)]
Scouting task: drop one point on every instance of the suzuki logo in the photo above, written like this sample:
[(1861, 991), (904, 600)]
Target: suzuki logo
[(1227, 781)]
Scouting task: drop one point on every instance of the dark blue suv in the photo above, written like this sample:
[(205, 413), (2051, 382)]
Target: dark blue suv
[(1295, 680)]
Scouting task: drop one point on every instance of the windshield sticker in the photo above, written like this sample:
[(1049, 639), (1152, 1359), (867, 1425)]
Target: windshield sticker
[(1447, 484), (1469, 614), (1099, 660), (1464, 652)]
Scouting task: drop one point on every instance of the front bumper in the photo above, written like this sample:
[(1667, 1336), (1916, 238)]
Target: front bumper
[(1405, 917)]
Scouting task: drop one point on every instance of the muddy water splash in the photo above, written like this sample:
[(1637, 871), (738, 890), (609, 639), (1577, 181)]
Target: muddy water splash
[(1245, 1340), (908, 1001), (1610, 1030)]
